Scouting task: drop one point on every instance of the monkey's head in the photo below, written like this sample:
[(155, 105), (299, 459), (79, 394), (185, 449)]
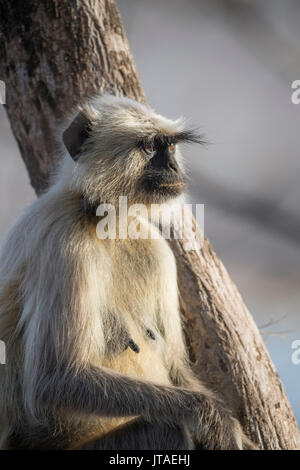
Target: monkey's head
[(123, 148)]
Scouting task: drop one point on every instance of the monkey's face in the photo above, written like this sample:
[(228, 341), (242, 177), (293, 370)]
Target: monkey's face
[(123, 148), (162, 178)]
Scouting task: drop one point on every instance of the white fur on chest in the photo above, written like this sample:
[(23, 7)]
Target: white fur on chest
[(143, 274)]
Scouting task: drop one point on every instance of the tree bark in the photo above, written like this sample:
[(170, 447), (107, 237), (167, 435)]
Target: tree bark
[(53, 55)]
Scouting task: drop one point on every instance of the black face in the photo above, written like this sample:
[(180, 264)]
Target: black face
[(162, 178)]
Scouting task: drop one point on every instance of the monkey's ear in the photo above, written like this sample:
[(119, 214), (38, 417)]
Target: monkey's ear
[(75, 135)]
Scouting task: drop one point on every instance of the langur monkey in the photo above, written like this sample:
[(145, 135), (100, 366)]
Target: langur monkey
[(94, 344)]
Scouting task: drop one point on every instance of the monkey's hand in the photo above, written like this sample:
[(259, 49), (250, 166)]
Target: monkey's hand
[(214, 428)]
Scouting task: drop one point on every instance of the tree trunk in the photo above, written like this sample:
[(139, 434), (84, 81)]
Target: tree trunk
[(54, 54)]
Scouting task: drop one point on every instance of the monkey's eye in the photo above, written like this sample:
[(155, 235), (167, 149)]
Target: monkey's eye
[(172, 147), (149, 149)]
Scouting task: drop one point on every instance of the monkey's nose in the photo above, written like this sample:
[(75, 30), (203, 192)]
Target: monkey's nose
[(172, 167)]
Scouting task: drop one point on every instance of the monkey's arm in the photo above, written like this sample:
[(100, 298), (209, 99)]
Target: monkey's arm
[(108, 393), (105, 393)]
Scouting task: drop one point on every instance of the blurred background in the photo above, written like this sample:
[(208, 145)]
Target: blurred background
[(228, 66)]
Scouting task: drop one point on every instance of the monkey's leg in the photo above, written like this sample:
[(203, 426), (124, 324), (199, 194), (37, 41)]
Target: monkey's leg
[(141, 435)]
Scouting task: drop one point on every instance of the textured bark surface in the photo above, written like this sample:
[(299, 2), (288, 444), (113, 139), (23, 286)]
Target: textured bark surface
[(55, 53)]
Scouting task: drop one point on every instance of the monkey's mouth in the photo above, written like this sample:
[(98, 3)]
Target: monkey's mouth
[(172, 185), (161, 186)]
